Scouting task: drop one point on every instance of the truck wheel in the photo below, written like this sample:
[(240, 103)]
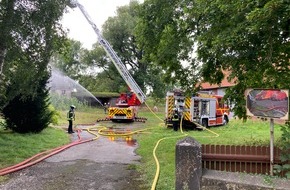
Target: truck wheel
[(204, 123)]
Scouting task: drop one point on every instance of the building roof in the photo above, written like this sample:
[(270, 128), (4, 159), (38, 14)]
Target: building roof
[(224, 83)]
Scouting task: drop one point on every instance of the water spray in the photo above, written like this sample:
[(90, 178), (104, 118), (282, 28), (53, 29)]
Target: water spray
[(64, 85)]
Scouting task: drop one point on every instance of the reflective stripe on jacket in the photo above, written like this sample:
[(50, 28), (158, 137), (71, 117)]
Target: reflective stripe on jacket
[(175, 118), (70, 115)]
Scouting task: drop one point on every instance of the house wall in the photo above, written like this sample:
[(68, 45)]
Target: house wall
[(221, 91), (66, 93), (216, 91)]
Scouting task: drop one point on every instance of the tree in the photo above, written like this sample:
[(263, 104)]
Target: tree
[(164, 31), (248, 38), (105, 76), (69, 60), (30, 114), (119, 31), (87, 67), (29, 33)]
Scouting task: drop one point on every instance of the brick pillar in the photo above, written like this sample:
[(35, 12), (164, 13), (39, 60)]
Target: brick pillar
[(188, 168)]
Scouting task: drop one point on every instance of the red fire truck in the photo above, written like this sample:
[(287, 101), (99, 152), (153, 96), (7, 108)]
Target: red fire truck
[(203, 109), (126, 108)]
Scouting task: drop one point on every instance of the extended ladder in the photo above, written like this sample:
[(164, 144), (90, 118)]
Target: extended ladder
[(112, 54)]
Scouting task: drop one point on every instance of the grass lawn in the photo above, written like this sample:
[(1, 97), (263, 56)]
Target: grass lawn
[(235, 133), (17, 147), (83, 116)]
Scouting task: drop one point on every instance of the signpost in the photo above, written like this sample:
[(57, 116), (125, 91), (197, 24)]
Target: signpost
[(268, 103)]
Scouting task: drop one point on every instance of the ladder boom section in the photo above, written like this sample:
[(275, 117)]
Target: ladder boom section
[(112, 54)]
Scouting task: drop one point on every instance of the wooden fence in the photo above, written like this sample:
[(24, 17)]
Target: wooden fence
[(249, 159)]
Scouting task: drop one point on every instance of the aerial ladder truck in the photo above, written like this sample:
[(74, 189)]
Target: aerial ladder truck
[(127, 104)]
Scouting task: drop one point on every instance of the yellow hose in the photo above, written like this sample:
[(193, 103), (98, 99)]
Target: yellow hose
[(204, 128), (102, 128), (157, 161), (153, 112), (96, 134), (153, 187)]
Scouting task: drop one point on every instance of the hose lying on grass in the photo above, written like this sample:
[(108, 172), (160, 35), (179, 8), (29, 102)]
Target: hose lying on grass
[(41, 156), (46, 154)]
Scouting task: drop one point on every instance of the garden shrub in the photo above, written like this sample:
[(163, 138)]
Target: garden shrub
[(28, 115)]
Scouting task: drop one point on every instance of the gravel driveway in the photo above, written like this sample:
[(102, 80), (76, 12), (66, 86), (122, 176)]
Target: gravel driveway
[(101, 164)]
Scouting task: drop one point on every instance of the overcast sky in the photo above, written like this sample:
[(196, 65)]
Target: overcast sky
[(98, 10)]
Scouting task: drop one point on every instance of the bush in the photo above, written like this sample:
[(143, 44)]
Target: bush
[(55, 115), (28, 115), (285, 156), (61, 102)]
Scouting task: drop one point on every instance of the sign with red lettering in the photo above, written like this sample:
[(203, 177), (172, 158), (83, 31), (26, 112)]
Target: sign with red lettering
[(272, 103)]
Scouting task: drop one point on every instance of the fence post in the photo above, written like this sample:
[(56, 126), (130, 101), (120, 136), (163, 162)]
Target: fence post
[(188, 163)]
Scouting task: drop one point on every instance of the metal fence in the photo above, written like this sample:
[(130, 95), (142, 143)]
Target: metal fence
[(248, 159)]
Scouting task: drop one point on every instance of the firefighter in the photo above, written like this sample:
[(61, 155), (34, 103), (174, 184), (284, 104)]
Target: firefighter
[(175, 122), (105, 108), (70, 118)]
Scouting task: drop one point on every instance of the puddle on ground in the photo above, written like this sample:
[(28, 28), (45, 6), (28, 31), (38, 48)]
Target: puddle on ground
[(128, 140), (118, 134)]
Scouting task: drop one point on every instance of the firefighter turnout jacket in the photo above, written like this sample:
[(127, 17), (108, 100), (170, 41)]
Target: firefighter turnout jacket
[(70, 115)]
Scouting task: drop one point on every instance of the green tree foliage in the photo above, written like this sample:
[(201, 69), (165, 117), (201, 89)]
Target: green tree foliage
[(101, 75), (89, 68), (95, 70), (30, 114), (165, 32), (248, 38), (285, 156), (69, 60), (60, 102), (120, 32), (29, 33)]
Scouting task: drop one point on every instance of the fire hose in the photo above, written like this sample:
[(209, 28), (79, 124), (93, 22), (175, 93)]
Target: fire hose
[(41, 156), (101, 130), (157, 173), (46, 154)]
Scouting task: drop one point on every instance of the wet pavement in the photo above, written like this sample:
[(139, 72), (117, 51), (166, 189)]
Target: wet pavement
[(101, 164)]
